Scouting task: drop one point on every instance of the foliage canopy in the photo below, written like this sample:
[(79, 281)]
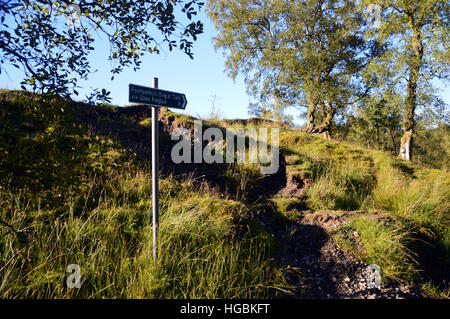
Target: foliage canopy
[(310, 53), (50, 41)]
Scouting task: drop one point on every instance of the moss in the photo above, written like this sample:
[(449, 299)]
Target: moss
[(147, 122), (293, 159), (290, 208)]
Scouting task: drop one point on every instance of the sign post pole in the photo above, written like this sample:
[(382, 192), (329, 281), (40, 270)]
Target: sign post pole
[(155, 98), (155, 168)]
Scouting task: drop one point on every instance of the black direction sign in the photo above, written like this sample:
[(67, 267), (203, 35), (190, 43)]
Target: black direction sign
[(156, 97)]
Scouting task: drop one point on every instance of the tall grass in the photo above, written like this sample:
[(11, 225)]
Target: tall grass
[(200, 255), (341, 186), (411, 240), (422, 200)]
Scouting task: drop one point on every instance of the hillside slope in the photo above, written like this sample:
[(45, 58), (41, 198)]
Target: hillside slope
[(75, 188)]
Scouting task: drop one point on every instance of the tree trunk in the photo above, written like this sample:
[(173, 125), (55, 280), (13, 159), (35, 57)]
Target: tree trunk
[(325, 127), (310, 127), (393, 141), (406, 146), (327, 135)]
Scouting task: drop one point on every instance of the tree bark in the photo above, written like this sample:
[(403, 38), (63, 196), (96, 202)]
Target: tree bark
[(327, 135), (310, 126), (325, 127), (406, 146)]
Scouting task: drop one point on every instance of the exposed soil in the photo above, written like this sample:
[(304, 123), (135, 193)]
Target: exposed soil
[(295, 186)]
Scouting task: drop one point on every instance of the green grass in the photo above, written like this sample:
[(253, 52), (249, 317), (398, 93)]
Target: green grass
[(343, 186), (88, 201), (288, 207), (200, 257), (414, 245), (384, 245), (200, 254), (81, 199), (241, 179)]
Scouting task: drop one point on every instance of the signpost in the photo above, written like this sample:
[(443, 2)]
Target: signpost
[(156, 98)]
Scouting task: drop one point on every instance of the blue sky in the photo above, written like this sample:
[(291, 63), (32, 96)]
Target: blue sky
[(199, 79)]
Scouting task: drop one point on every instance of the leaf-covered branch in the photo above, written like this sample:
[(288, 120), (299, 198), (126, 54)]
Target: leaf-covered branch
[(51, 41)]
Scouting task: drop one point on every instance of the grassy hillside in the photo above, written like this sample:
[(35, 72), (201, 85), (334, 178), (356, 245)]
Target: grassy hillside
[(71, 198), (403, 223), (75, 188)]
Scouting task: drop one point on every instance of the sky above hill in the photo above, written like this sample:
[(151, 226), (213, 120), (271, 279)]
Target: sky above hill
[(199, 79)]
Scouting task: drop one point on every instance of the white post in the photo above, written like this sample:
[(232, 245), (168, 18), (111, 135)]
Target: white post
[(155, 167)]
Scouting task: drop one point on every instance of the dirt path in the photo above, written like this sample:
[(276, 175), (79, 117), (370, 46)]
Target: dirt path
[(323, 270)]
